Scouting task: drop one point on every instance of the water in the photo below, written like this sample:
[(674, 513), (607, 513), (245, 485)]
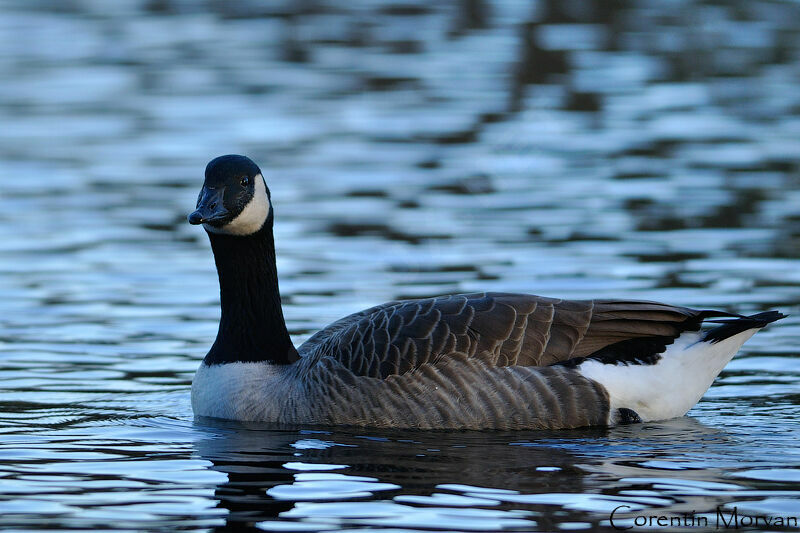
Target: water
[(572, 149)]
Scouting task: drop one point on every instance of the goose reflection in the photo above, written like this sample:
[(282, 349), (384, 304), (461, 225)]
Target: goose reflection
[(403, 479), (270, 470)]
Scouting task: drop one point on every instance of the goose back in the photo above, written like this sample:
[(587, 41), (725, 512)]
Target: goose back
[(497, 330)]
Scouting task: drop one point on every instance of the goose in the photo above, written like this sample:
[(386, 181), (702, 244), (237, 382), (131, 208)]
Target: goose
[(464, 361)]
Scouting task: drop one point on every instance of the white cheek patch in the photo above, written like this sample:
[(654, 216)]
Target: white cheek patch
[(252, 216)]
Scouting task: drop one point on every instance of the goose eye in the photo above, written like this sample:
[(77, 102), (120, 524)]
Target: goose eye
[(245, 181)]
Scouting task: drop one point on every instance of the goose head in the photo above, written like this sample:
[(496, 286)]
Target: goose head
[(234, 199)]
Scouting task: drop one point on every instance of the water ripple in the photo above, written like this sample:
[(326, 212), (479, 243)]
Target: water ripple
[(587, 149)]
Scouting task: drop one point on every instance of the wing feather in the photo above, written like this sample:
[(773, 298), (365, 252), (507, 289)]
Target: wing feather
[(497, 329)]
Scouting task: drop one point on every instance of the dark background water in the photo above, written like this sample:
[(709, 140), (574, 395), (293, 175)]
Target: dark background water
[(572, 148)]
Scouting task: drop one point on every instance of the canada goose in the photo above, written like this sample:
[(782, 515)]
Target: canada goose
[(487, 360)]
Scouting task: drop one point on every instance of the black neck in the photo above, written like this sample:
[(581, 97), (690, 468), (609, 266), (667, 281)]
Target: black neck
[(251, 327)]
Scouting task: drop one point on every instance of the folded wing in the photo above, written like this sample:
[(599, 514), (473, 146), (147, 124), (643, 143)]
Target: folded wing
[(497, 329)]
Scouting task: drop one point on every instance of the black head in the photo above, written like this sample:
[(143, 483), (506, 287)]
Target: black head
[(234, 198)]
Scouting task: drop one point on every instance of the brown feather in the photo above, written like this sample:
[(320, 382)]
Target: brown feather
[(496, 329)]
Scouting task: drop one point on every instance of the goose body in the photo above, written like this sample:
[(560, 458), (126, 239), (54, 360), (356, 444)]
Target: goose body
[(469, 361)]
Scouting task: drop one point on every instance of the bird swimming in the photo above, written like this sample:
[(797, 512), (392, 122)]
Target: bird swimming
[(463, 361)]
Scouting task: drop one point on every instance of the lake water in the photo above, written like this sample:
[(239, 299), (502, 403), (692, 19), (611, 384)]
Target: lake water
[(575, 149)]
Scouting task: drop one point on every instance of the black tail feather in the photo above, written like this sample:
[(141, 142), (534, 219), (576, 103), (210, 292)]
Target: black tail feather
[(648, 350), (729, 328)]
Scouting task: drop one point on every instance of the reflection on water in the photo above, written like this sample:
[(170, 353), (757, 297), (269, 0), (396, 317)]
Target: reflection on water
[(567, 148), (477, 481)]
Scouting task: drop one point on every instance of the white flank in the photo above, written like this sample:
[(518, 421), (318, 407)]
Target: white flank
[(672, 386), (240, 391), (252, 216)]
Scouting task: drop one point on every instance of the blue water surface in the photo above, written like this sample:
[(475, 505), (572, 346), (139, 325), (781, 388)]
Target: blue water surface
[(577, 149)]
